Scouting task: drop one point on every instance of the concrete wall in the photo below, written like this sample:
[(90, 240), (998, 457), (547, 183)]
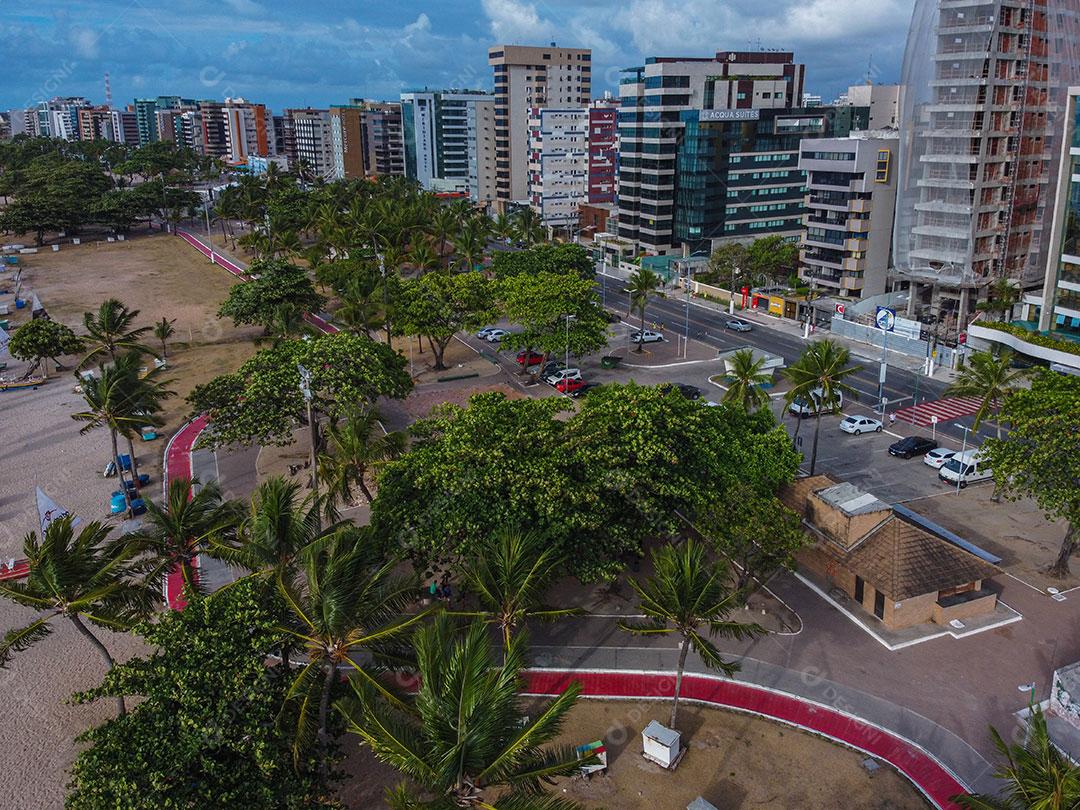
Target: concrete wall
[(966, 610), (843, 528), (896, 343)]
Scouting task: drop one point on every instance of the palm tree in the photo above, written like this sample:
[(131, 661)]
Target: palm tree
[(110, 330), (469, 245), (529, 228), (1003, 295), (142, 392), (509, 572), (466, 735), (175, 535), (818, 378), (642, 286), (347, 604), (989, 378), (745, 380), (422, 256), (1036, 774), (163, 330), (442, 226), (355, 446), (503, 227), (685, 592), (82, 577)]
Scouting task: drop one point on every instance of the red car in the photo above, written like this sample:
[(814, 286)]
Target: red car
[(533, 358), (570, 385)]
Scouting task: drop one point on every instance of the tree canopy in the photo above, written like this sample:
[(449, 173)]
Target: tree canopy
[(274, 283), (438, 305), (261, 402), (539, 304), (43, 339), (561, 259), (203, 734)]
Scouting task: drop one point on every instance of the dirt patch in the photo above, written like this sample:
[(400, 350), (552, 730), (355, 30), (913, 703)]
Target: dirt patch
[(458, 357), (1018, 532), (734, 761), (422, 401)]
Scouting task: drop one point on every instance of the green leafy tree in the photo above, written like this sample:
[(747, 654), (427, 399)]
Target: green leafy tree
[(163, 330), (54, 193), (1036, 774), (42, 340), (274, 283), (110, 331), (746, 381), (563, 258), (540, 305), (356, 446), (641, 287), (772, 257), (348, 602), (439, 306), (509, 572), (693, 598), (203, 732), (818, 378), (728, 264), (173, 535), (84, 577), (467, 736), (756, 532), (991, 379), (120, 209), (261, 403), (1040, 457)]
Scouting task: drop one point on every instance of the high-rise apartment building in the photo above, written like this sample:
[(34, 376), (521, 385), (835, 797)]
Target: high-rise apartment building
[(882, 100), (346, 135), (215, 129), (481, 140), (23, 121), (851, 194), (603, 150), (437, 136), (709, 149), (558, 163), (528, 77), (984, 84), (125, 127), (383, 141), (309, 142), (246, 130), (95, 124)]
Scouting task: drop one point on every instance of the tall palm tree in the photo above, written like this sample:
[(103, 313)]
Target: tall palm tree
[(1003, 295), (642, 286), (110, 330), (1035, 772), (422, 255), (356, 445), (469, 246), (84, 577), (163, 330), (685, 593), (467, 736), (989, 378), (529, 228), (509, 572), (442, 227), (347, 604), (745, 381), (143, 392), (503, 227), (818, 378), (175, 534)]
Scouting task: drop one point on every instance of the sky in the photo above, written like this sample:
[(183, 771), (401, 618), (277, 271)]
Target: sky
[(322, 52)]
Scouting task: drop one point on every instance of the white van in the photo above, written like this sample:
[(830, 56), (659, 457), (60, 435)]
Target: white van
[(967, 468), (800, 407)]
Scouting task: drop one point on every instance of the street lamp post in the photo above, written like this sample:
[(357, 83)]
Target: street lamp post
[(568, 319), (209, 237), (963, 449), (686, 316), (305, 390)]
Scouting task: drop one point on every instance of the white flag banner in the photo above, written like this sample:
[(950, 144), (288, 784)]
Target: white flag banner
[(48, 511), (35, 305), (5, 339)]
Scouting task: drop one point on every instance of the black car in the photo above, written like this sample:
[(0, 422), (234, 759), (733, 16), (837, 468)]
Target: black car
[(912, 446), (550, 367), (586, 388), (688, 391)]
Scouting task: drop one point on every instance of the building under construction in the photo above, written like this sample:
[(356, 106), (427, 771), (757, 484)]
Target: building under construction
[(984, 87)]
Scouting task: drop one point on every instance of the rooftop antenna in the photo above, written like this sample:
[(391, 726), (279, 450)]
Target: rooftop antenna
[(108, 91), (870, 69)]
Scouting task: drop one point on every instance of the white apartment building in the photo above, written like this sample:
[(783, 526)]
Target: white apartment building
[(558, 177)]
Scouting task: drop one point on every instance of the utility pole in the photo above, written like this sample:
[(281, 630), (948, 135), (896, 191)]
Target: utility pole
[(305, 390), (963, 449), (209, 236), (568, 319)]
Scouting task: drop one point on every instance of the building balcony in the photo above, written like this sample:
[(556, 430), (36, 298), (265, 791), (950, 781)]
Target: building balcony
[(854, 265), (858, 225), (855, 244), (860, 206)]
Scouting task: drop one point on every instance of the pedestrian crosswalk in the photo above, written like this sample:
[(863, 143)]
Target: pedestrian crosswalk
[(944, 409)]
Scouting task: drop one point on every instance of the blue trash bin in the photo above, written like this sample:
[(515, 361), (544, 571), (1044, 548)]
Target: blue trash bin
[(117, 504), (124, 462), (138, 506)]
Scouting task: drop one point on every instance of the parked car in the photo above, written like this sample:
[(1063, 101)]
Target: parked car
[(551, 366), (564, 374), (802, 407), (483, 333), (860, 424), (965, 468), (637, 336), (688, 391), (570, 385), (532, 359), (737, 325), (496, 335), (611, 317), (936, 458), (912, 446)]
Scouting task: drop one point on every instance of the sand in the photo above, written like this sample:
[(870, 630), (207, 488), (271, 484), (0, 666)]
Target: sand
[(42, 446), (735, 761)]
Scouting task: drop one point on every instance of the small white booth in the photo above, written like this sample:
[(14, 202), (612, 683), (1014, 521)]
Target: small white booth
[(661, 745)]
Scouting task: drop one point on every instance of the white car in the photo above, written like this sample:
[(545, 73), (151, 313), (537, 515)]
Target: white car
[(645, 337), (483, 333), (496, 335), (860, 424), (937, 457), (563, 374)]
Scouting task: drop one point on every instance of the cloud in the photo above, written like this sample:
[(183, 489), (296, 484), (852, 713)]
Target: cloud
[(249, 8), (85, 42), (512, 21)]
